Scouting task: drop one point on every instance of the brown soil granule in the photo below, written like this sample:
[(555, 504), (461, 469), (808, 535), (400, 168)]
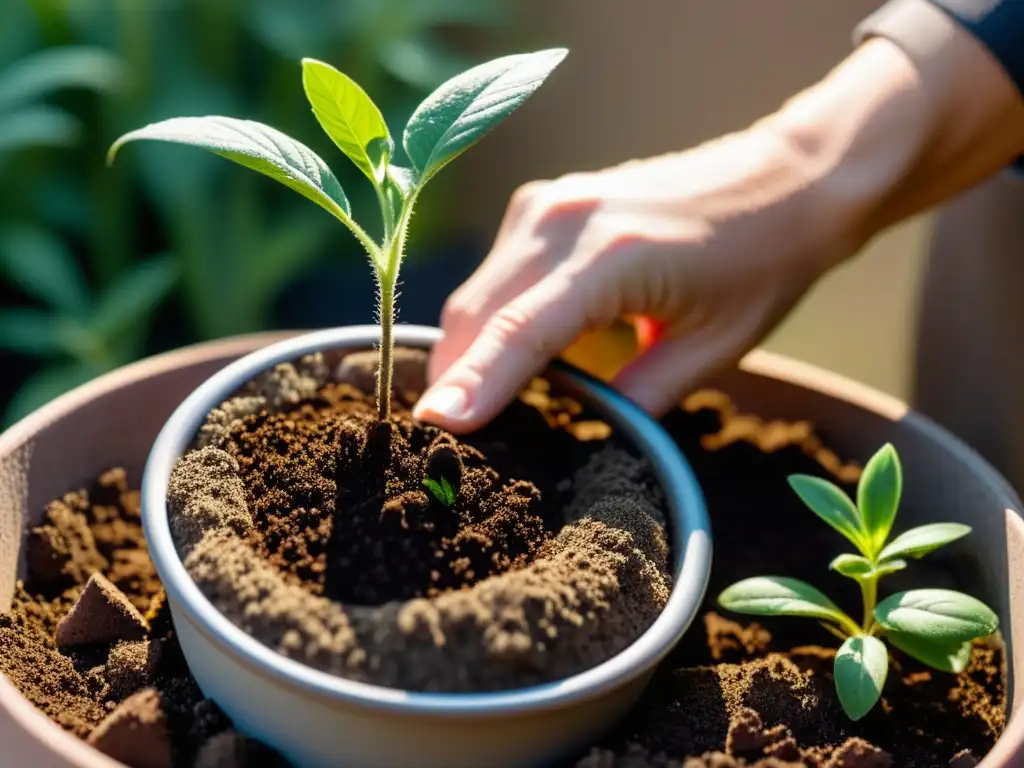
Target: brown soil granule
[(309, 526), (102, 614), (136, 732), (132, 665)]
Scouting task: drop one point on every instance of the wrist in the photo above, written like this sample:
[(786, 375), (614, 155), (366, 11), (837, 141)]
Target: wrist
[(890, 132)]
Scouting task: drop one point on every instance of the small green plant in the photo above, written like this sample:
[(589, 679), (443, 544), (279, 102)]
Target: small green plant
[(442, 491), (442, 127), (934, 626)]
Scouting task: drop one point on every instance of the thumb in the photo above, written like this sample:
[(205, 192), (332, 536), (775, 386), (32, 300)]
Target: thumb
[(515, 343)]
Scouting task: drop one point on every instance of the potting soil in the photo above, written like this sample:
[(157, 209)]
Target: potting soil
[(734, 692)]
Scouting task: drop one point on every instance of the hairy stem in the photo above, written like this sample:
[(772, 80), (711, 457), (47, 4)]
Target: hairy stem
[(386, 294)]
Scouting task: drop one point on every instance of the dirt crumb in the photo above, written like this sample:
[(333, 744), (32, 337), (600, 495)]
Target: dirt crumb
[(132, 665), (206, 493), (101, 615), (136, 732)]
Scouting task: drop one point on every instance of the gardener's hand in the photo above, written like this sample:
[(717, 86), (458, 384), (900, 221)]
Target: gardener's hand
[(719, 242)]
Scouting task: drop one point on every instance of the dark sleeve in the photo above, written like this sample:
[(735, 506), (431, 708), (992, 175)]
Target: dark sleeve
[(918, 26)]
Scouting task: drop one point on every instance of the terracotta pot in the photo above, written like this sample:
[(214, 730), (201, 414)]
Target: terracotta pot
[(69, 441)]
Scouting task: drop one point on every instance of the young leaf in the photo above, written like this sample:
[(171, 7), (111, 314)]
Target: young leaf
[(831, 504), (463, 109), (442, 491), (449, 492), (945, 657), (853, 566), (255, 146), (878, 495), (349, 116), (918, 542), (781, 596), (939, 615), (860, 669), (857, 567), (890, 566)]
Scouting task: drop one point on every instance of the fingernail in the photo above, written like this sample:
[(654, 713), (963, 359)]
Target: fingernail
[(448, 402)]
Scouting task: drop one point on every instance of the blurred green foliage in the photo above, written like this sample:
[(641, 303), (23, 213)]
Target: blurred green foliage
[(89, 254)]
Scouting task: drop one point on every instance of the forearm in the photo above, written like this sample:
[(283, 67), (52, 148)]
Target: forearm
[(890, 132)]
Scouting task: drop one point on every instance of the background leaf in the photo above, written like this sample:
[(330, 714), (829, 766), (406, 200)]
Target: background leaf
[(133, 297), (29, 331), (831, 504), (37, 126), (878, 495), (465, 108), (940, 615), (945, 657), (256, 146), (860, 669), (349, 116), (779, 596), (38, 74), (918, 542), (43, 267)]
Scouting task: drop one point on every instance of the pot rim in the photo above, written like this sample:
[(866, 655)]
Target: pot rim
[(691, 545)]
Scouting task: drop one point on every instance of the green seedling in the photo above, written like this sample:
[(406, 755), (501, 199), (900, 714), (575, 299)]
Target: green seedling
[(442, 491), (934, 626), (442, 127)]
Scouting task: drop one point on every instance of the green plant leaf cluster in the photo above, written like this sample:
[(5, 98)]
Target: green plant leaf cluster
[(934, 626), (73, 75), (441, 490), (450, 120)]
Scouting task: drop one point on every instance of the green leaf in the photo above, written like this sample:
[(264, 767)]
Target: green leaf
[(860, 668), (878, 495), (255, 146), (918, 542), (349, 117), (945, 657), (40, 126), (462, 110), (51, 69), (30, 331), (890, 566), (860, 568), (134, 297), (398, 188), (853, 566), (43, 267), (939, 615), (831, 504), (781, 596), (449, 492), (45, 385), (442, 491)]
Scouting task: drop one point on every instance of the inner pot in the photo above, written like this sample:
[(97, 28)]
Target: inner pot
[(315, 718)]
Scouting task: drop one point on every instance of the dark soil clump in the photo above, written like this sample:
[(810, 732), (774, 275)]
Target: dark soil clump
[(310, 525)]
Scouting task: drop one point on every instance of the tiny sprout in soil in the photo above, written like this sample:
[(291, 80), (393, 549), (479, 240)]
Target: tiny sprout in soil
[(442, 491), (934, 626), (448, 122)]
